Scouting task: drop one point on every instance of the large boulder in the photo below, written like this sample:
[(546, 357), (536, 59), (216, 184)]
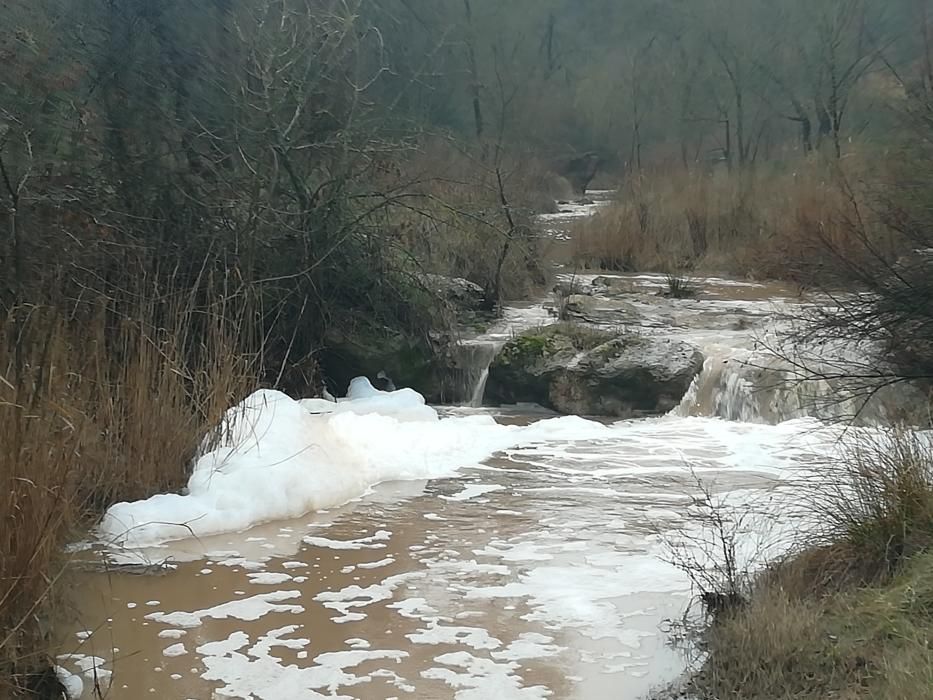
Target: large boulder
[(576, 370)]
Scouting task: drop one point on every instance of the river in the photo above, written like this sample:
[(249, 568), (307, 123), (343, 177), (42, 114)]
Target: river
[(541, 570)]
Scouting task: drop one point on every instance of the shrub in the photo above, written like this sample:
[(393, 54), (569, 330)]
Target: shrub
[(876, 503)]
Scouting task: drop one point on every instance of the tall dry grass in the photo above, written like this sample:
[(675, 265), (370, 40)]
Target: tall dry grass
[(754, 222), (875, 506), (104, 401)]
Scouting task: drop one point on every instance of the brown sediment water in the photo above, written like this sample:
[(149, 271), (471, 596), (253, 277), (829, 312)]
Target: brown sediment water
[(538, 574), (543, 572)]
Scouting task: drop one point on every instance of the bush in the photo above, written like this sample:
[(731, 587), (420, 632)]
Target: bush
[(849, 614), (790, 642), (457, 224), (875, 505)]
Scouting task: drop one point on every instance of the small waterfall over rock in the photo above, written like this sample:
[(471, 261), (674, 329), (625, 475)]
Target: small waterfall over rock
[(472, 359), (758, 387)]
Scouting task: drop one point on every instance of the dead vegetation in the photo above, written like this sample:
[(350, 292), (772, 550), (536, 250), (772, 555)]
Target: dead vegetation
[(849, 613), (471, 217), (755, 223), (106, 405)]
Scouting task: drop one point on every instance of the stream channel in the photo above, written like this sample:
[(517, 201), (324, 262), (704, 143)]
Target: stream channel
[(505, 554)]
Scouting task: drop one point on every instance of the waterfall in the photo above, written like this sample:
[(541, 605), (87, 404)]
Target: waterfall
[(757, 387), (472, 359), (476, 397)]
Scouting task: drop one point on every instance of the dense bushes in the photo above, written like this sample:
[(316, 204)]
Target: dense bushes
[(197, 199)]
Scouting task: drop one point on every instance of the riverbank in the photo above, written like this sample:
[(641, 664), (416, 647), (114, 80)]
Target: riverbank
[(849, 612), (470, 571)]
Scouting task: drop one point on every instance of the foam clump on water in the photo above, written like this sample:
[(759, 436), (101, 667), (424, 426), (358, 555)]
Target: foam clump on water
[(364, 399), (277, 459)]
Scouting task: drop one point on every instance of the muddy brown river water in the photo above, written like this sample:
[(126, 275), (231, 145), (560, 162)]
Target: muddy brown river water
[(542, 571)]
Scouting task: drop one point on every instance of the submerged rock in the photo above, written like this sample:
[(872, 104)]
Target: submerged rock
[(576, 370)]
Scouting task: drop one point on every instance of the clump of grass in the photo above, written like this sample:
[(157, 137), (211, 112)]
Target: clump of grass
[(877, 503), (679, 287), (850, 614)]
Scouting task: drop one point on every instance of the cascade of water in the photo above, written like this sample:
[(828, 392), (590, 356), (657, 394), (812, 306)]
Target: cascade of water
[(757, 387), (476, 397), (472, 360)]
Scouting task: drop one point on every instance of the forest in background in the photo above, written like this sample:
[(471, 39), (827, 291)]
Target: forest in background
[(199, 198)]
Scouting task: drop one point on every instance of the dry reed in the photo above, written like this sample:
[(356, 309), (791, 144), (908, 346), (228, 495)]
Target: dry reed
[(754, 223), (109, 402)]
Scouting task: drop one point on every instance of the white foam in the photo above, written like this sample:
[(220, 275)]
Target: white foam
[(376, 564), (474, 491), (276, 460), (582, 596), (74, 686), (91, 667), (247, 609), (481, 679), (530, 645), (172, 634), (174, 650), (255, 674), (473, 637), (269, 578), (373, 542), (347, 599)]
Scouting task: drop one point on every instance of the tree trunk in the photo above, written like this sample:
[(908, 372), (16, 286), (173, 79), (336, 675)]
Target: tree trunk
[(475, 86)]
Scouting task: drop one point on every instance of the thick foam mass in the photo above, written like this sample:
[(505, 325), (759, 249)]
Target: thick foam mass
[(278, 459)]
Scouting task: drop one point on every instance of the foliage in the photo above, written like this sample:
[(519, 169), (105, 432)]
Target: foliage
[(753, 223), (110, 407)]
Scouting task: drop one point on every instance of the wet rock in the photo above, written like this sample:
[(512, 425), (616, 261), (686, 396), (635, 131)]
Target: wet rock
[(614, 285), (410, 361), (567, 288), (576, 370), (580, 171), (459, 293), (608, 312)]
